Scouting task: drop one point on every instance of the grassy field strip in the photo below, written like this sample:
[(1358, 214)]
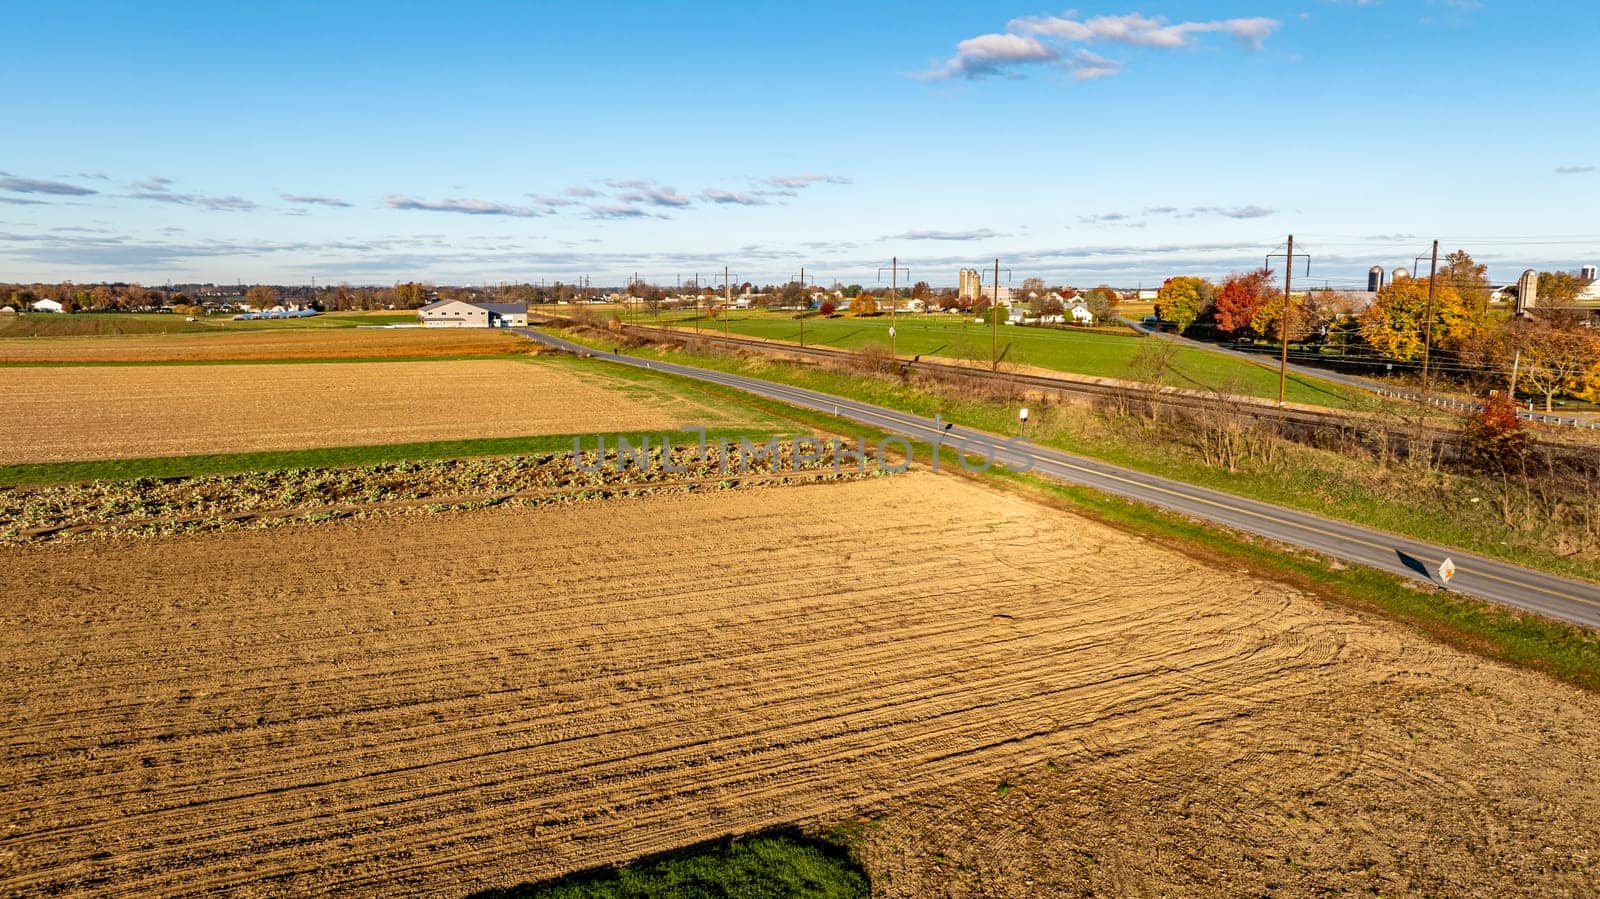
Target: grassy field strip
[(1093, 353), (335, 457)]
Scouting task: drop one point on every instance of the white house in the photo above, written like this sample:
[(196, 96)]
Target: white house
[(47, 306), (460, 314), (1081, 314)]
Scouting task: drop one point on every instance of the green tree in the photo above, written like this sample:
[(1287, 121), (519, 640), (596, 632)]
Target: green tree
[(1183, 299)]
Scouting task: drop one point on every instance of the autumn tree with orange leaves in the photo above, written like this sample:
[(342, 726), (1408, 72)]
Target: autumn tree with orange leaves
[(1395, 325), (1239, 299)]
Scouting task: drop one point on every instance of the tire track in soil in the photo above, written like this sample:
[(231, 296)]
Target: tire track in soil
[(517, 693)]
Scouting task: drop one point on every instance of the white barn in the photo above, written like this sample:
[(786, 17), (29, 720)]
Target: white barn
[(461, 314), (48, 306)]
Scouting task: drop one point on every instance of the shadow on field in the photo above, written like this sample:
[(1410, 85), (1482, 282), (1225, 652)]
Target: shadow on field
[(780, 862)]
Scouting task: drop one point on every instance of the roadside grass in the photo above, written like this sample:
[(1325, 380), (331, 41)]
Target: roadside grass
[(1565, 651), (111, 324), (1438, 507), (776, 865), (1096, 353)]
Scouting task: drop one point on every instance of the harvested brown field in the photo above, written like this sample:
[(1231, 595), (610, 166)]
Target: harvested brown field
[(1025, 702), (233, 346), (119, 412)]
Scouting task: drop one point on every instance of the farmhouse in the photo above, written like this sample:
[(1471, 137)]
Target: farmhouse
[(459, 314)]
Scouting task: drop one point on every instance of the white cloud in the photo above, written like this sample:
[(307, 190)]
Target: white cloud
[(1574, 169), (465, 206), (656, 196), (1088, 66), (1138, 30), (36, 186), (979, 234), (992, 54), (306, 200), (1042, 40), (800, 182), (734, 198), (617, 211)]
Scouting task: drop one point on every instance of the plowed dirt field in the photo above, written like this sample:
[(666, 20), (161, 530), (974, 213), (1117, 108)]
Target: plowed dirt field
[(1036, 705), (112, 412)]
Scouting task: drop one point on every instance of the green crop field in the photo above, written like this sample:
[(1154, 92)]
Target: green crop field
[(1097, 353)]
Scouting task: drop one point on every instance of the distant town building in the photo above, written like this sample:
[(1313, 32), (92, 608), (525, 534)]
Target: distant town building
[(971, 284), (460, 314)]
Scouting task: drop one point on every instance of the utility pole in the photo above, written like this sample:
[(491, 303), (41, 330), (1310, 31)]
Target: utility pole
[(894, 296), (805, 304), (1283, 326), (1283, 317), (994, 311), (727, 300), (697, 302), (994, 314), (1427, 332)]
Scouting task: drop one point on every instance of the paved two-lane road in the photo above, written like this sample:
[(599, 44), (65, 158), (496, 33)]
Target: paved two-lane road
[(1558, 597)]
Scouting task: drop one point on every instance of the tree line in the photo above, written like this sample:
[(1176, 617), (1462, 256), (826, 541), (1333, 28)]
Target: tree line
[(1473, 342)]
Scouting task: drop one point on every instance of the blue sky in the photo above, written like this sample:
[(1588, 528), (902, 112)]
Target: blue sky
[(372, 143)]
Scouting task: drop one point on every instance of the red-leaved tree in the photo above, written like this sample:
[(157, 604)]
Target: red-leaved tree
[(1239, 298)]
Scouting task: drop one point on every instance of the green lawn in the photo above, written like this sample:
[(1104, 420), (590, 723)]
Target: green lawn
[(336, 456), (781, 866), (1106, 354)]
